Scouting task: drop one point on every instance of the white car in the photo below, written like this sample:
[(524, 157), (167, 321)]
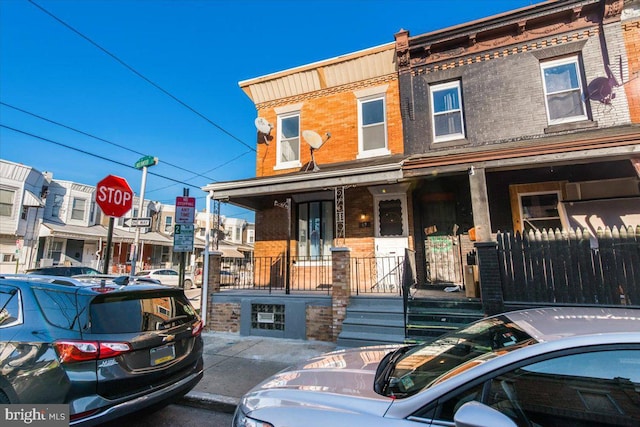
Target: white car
[(541, 367), (166, 276)]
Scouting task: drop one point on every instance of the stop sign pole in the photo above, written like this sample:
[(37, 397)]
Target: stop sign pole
[(115, 198)]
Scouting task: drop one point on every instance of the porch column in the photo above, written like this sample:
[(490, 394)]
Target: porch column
[(480, 204), (341, 288), (490, 283), (210, 287)]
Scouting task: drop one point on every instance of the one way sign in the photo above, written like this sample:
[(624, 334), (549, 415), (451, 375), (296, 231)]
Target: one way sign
[(137, 222)]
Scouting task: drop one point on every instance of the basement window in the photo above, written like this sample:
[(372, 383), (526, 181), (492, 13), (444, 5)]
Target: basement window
[(267, 317)]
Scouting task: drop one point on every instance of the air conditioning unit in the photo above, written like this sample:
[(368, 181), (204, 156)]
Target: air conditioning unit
[(603, 189)]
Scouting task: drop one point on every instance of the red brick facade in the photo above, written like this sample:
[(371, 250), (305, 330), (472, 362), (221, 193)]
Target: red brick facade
[(631, 33)]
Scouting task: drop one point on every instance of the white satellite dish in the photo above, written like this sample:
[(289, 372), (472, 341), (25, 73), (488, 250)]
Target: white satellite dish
[(264, 127), (315, 141)]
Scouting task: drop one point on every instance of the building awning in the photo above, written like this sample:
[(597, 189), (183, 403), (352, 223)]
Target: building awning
[(230, 252), (66, 231), (31, 199)]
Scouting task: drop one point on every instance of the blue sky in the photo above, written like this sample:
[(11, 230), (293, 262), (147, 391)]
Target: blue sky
[(197, 51)]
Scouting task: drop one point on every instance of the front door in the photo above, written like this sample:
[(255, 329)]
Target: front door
[(390, 252)]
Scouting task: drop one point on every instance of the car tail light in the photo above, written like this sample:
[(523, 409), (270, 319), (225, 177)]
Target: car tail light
[(78, 351), (103, 289), (197, 328)]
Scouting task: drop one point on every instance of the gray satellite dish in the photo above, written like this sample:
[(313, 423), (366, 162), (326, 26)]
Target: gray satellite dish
[(264, 127), (315, 141)]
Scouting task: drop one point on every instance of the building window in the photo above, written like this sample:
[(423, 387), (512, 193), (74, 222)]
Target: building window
[(6, 202), (77, 211), (446, 105), (540, 211), (57, 205), (238, 236), (267, 317), (563, 90), (25, 213), (288, 150), (315, 229), (250, 236), (372, 127), (8, 258), (168, 224)]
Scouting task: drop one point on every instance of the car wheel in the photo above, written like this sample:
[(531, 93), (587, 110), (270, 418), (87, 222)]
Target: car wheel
[(188, 284)]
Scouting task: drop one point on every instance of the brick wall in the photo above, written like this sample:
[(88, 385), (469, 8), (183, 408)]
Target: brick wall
[(631, 36), (336, 112), (224, 317), (319, 321)]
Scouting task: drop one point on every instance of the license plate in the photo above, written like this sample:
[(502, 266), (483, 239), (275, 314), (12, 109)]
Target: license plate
[(162, 354)]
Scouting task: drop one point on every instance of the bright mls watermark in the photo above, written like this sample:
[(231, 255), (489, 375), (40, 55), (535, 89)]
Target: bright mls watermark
[(34, 415)]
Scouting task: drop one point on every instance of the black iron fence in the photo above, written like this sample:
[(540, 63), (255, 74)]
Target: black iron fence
[(369, 275), (571, 267)]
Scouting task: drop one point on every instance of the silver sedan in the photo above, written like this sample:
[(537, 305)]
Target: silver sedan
[(539, 367)]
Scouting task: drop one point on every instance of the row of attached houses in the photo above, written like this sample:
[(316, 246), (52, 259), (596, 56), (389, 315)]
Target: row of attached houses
[(45, 221), (522, 122)]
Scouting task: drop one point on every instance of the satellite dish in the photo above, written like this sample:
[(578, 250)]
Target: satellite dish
[(264, 127), (312, 138), (315, 141)]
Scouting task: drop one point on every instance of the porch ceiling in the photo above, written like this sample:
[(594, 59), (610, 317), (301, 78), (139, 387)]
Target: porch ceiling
[(257, 192)]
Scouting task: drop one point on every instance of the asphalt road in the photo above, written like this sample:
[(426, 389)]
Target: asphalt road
[(174, 416)]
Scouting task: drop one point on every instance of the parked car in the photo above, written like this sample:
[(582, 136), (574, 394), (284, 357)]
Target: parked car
[(226, 278), (105, 350), (166, 276), (63, 270), (539, 367)]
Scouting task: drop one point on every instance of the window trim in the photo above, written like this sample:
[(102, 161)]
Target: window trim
[(439, 87), (573, 59), (375, 152), (12, 204), (292, 163), (74, 209)]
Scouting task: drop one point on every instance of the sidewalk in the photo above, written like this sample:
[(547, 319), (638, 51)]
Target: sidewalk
[(233, 364)]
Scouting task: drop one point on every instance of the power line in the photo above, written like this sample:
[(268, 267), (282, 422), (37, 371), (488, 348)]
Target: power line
[(94, 155), (106, 141), (137, 73)]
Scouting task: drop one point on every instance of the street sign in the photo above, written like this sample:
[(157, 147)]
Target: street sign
[(114, 196), (146, 161), (185, 210), (137, 222), (183, 238)]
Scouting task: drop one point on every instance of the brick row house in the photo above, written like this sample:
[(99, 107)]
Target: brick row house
[(523, 121)]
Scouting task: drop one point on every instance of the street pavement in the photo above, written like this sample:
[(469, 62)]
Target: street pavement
[(233, 364)]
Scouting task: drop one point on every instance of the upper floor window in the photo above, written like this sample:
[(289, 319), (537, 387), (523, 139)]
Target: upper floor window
[(288, 150), (57, 205), (168, 224), (563, 90), (372, 126), (6, 202), (77, 210), (446, 107)]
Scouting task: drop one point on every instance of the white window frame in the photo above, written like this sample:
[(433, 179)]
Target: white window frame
[(12, 194), (168, 224), (75, 210), (292, 163), (445, 86), (560, 217), (362, 151), (564, 61)]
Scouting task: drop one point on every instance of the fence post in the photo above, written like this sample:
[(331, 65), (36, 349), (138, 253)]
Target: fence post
[(210, 287), (490, 283), (341, 287)]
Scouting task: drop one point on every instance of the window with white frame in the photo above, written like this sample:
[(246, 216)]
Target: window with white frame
[(372, 124), (446, 108), (288, 149), (56, 208), (77, 210), (539, 210), (563, 92), (6, 202), (315, 229), (168, 224)]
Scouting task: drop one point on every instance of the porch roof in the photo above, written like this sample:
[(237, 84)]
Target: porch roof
[(97, 232), (249, 193)]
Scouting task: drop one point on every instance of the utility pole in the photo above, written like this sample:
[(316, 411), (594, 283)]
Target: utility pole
[(143, 164)]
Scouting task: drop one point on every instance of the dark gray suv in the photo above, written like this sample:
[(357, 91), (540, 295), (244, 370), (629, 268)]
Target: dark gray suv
[(104, 349)]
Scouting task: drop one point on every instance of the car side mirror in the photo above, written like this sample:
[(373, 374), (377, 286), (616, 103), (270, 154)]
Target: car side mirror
[(476, 414)]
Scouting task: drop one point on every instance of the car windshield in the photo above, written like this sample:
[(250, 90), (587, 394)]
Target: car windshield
[(451, 354)]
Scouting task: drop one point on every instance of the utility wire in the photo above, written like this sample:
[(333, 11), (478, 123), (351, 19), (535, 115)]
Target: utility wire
[(94, 155), (106, 141), (137, 73)]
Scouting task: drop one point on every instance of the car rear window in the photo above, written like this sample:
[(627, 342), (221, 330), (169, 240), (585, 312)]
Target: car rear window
[(135, 312)]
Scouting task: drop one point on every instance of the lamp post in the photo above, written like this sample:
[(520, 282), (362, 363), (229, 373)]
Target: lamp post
[(143, 164)]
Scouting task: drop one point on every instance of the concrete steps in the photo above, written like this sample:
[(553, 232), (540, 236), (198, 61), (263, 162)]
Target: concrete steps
[(372, 321)]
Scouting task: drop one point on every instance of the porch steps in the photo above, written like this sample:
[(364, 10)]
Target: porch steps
[(372, 321), (428, 318)]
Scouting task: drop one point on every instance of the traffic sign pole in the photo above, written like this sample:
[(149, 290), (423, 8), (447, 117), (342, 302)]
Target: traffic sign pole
[(143, 164)]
